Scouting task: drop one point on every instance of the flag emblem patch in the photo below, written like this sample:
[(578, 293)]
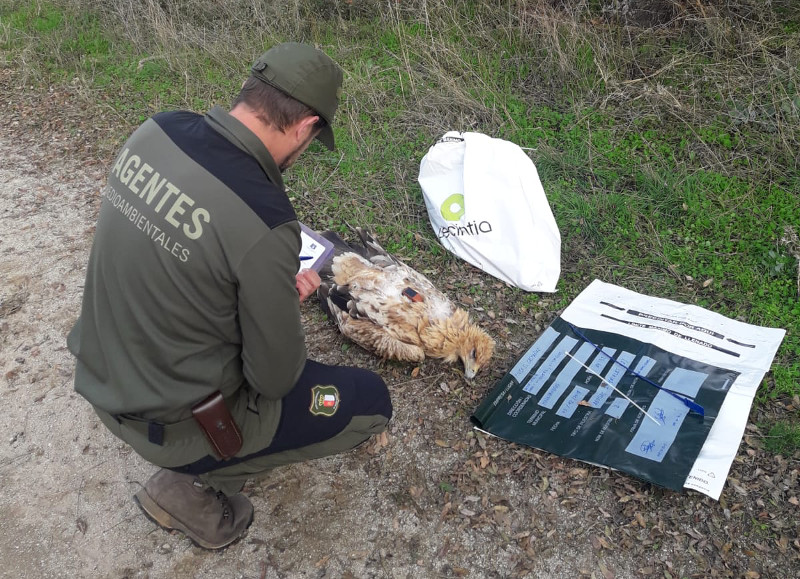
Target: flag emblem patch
[(324, 400)]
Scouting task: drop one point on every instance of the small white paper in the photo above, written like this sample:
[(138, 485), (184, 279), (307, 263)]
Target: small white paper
[(315, 250)]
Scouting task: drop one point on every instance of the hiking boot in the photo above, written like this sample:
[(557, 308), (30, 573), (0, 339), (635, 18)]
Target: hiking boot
[(183, 502)]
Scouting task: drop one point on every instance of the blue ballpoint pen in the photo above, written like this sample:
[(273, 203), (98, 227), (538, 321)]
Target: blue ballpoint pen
[(691, 404)]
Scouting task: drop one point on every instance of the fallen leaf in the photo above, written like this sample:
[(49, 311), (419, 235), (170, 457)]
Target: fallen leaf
[(692, 533), (605, 544), (607, 573), (727, 547)]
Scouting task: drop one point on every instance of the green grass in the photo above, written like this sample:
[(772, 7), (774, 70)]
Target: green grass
[(783, 438), (668, 154)]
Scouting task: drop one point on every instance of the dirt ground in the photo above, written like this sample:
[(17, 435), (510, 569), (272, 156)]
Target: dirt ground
[(431, 499)]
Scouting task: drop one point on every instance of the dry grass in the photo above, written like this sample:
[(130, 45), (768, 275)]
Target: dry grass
[(690, 64)]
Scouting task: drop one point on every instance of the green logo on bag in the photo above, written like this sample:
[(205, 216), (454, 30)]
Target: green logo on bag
[(453, 207), (324, 400)]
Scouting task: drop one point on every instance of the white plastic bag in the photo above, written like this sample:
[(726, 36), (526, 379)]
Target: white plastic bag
[(487, 205)]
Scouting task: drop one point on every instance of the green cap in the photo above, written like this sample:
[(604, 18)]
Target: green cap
[(307, 75)]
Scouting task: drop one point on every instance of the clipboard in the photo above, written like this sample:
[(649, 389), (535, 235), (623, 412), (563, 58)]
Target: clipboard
[(315, 251)]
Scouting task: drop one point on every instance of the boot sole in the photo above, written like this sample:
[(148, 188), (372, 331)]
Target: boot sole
[(163, 519)]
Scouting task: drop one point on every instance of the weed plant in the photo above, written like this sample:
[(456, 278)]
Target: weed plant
[(666, 138)]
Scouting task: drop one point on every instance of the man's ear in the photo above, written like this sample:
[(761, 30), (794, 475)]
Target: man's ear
[(303, 126)]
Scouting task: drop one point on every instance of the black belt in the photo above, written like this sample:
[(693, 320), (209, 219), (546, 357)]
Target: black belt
[(156, 432), (160, 432)]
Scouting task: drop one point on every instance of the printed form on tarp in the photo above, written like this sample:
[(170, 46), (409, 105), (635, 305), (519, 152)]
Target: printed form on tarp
[(652, 387), (487, 205)]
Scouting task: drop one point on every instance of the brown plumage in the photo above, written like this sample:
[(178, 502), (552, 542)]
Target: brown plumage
[(390, 309)]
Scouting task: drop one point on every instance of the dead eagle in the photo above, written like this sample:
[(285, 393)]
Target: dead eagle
[(394, 311)]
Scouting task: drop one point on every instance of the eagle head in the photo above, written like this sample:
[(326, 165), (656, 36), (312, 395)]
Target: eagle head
[(475, 349)]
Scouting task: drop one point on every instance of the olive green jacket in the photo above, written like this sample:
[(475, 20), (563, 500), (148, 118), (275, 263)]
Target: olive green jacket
[(190, 286)]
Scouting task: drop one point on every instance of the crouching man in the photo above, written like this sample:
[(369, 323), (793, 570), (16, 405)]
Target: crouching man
[(189, 343)]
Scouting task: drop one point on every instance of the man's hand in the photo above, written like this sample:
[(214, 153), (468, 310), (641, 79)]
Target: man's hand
[(308, 281)]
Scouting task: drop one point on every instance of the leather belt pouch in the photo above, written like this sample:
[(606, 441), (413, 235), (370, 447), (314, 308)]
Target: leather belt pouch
[(215, 420)]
